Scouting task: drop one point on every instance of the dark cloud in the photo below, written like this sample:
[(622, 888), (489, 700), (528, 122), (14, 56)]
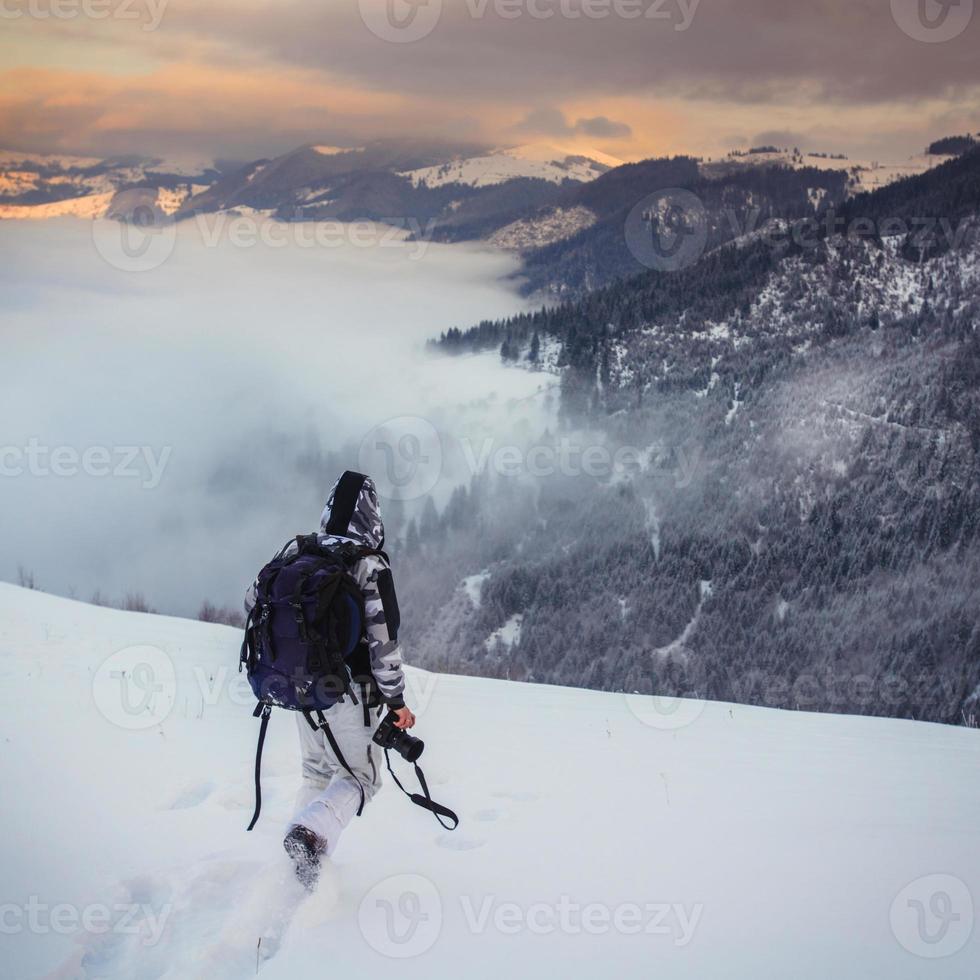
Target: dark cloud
[(553, 122), (783, 138), (545, 122), (602, 127), (736, 50)]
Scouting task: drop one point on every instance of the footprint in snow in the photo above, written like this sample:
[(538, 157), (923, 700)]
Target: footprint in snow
[(220, 919), (192, 796), (488, 816)]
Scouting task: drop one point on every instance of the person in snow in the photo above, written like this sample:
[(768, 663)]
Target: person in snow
[(329, 796)]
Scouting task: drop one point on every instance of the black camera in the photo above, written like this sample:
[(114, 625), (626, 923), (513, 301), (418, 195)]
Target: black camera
[(389, 737)]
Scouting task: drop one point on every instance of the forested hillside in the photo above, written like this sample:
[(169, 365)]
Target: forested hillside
[(732, 206), (797, 524)]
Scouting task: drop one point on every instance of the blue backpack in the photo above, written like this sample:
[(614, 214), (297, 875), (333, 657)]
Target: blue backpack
[(302, 638)]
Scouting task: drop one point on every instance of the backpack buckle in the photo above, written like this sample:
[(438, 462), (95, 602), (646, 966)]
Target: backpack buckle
[(300, 621)]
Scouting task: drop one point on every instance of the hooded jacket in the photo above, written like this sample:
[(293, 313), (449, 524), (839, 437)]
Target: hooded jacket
[(353, 513)]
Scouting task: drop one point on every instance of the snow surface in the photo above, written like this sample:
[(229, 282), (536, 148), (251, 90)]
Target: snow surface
[(332, 151), (473, 587), (507, 635), (543, 160), (749, 842)]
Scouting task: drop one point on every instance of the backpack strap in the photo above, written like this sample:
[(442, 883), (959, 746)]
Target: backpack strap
[(425, 801), (321, 725), (365, 704), (262, 711), (247, 654)]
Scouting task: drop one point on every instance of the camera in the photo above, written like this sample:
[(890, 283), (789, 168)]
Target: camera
[(389, 737)]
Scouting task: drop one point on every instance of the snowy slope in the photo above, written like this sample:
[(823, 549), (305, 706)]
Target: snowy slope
[(540, 160), (88, 206), (38, 186), (863, 175), (167, 200), (602, 835), (550, 225)]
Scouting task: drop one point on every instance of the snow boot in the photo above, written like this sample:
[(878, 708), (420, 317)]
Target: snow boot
[(305, 848)]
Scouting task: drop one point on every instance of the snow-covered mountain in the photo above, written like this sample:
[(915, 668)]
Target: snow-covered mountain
[(600, 833), (862, 174), (543, 161), (37, 186)]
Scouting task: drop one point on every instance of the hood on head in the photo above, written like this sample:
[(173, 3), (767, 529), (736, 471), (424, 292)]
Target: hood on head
[(353, 510)]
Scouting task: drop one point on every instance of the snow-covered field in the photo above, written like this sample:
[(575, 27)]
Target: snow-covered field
[(602, 835)]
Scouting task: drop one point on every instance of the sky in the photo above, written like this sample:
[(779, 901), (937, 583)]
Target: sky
[(241, 79)]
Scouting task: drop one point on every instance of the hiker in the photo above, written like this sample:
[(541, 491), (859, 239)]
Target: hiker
[(340, 770)]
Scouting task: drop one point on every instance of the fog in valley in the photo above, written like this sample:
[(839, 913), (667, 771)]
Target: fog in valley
[(166, 428)]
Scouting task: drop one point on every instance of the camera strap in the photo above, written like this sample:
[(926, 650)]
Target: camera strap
[(425, 801), (321, 725)]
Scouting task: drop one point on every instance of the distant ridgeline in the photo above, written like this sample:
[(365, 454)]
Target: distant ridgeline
[(802, 526)]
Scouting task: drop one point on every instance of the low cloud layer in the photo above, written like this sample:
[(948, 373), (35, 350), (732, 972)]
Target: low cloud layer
[(166, 430)]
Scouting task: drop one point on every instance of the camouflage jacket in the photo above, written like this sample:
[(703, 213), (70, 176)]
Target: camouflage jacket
[(373, 575)]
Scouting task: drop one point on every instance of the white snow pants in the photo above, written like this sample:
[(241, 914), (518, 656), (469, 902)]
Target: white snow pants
[(329, 798)]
